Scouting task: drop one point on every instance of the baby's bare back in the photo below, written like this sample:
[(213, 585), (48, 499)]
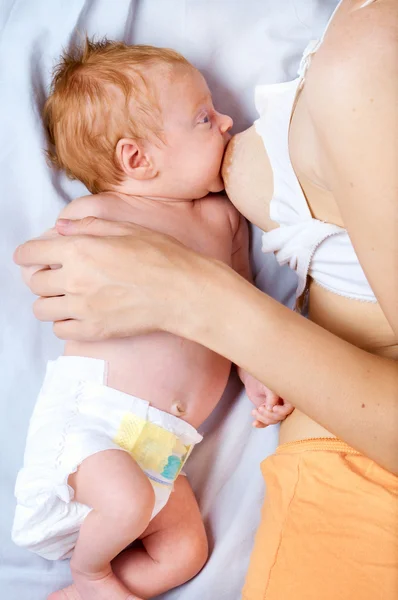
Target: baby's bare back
[(173, 374)]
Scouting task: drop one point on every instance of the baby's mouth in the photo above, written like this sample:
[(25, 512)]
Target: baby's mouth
[(227, 158)]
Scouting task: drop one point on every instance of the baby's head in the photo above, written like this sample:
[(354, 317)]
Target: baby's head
[(135, 119)]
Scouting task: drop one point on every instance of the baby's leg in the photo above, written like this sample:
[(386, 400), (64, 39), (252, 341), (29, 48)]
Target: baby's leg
[(175, 547), (122, 499)]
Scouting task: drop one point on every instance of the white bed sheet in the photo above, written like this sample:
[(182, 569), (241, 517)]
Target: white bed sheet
[(237, 44)]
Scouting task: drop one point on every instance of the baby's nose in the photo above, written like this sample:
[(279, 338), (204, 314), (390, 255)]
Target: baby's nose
[(227, 137), (226, 123)]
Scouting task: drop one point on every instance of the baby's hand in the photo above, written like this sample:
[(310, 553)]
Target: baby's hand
[(270, 408), (271, 412)]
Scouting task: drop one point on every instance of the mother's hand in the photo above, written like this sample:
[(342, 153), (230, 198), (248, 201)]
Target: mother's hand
[(116, 279)]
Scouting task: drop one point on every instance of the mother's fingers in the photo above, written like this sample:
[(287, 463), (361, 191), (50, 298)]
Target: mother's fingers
[(53, 309), (67, 326), (40, 252), (47, 282), (94, 226), (67, 330), (72, 329)]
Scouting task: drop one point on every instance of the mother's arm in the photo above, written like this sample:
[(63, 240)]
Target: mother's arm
[(352, 92), (130, 280)]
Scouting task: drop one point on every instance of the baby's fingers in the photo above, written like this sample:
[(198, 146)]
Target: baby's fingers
[(265, 416), (283, 410), (258, 424), (271, 400)]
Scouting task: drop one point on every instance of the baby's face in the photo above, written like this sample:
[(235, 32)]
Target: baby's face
[(195, 134)]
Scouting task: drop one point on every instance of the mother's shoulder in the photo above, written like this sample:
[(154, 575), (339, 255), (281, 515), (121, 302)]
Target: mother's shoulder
[(360, 50), (351, 83)]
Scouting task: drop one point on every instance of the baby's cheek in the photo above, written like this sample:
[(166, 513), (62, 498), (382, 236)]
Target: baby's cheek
[(216, 185)]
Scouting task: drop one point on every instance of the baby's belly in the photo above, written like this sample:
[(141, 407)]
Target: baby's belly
[(173, 374), (360, 323)]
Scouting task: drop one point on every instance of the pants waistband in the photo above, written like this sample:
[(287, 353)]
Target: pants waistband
[(317, 445)]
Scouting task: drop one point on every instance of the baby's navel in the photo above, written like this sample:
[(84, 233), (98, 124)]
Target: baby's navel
[(178, 409)]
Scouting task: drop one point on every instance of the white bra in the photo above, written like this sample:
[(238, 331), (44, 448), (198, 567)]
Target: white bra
[(310, 247)]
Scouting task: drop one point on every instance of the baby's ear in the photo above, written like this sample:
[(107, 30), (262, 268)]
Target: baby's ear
[(134, 160)]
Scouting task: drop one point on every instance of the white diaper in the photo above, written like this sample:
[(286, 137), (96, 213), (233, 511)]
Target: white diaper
[(76, 416)]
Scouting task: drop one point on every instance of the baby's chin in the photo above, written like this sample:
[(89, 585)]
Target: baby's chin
[(217, 185)]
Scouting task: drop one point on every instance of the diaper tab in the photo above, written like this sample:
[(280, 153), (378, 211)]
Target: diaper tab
[(160, 453)]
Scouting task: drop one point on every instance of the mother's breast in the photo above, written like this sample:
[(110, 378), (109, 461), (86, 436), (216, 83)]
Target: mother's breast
[(248, 178)]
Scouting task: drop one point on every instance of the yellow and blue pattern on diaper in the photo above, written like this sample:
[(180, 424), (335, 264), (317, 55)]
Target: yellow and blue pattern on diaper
[(159, 453)]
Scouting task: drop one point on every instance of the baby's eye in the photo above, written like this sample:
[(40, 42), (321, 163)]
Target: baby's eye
[(204, 119)]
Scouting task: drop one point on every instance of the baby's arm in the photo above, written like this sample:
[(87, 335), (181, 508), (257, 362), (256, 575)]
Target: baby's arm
[(270, 408)]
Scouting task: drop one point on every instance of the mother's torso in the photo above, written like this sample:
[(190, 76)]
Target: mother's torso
[(250, 184), (358, 322)]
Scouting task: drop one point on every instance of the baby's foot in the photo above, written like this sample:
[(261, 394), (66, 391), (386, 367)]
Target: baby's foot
[(107, 588)]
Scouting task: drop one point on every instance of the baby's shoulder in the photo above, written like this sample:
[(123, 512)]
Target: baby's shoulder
[(93, 205)]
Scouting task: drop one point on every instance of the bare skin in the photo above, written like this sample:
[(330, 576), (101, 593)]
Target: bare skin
[(173, 374), (364, 382), (344, 380), (90, 312), (363, 324), (175, 541)]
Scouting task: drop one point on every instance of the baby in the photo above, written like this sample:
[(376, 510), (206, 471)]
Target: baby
[(115, 421)]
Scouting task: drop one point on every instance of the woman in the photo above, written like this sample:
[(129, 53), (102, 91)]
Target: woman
[(328, 527)]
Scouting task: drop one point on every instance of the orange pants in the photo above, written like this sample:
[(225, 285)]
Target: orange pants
[(329, 528)]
